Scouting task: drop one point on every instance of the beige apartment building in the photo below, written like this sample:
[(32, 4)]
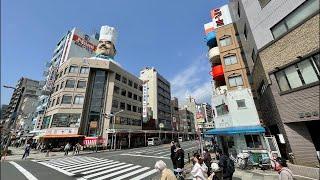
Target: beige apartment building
[(87, 89), (156, 98)]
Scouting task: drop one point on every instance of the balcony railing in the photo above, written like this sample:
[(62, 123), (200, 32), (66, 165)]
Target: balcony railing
[(214, 55)]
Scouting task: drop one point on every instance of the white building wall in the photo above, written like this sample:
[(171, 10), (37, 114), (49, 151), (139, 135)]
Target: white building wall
[(262, 19)]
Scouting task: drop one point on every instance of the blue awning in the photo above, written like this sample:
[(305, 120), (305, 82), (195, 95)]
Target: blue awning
[(236, 130)]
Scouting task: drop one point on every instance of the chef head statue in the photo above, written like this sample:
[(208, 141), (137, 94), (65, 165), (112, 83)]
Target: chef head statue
[(106, 46)]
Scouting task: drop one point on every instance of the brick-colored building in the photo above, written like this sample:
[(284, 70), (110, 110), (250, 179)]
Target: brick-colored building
[(284, 58)]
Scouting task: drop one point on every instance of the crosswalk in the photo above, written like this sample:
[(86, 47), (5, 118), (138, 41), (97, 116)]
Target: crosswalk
[(163, 152), (92, 168)]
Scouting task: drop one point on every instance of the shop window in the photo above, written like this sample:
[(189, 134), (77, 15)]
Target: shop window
[(73, 69), (70, 83), (229, 60), (235, 81), (253, 141), (303, 12), (81, 84), (66, 99), (78, 99), (84, 70), (225, 41)]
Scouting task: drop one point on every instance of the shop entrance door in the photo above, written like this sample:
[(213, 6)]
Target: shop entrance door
[(272, 146)]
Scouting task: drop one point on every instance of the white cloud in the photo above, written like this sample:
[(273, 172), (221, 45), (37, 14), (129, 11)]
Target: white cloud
[(193, 80)]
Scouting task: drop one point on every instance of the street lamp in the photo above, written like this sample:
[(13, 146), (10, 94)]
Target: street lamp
[(113, 142)]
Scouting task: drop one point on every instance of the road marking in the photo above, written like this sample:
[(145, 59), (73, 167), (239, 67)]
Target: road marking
[(90, 168), (79, 166), (140, 155), (63, 163), (103, 168), (26, 173), (116, 173), (107, 171), (144, 175), (57, 169), (131, 173)]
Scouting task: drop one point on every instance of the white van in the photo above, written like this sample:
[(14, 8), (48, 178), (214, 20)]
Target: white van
[(154, 141)]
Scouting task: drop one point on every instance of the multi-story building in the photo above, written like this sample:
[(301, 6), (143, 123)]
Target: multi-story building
[(73, 44), (157, 96), (208, 115), (3, 111), (187, 122), (236, 118), (89, 90), (176, 123), (23, 104), (281, 45)]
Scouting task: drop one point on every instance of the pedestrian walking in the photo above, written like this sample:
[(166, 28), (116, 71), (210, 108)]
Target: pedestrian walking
[(281, 167), (78, 146), (172, 155), (226, 164), (26, 151), (166, 174), (199, 170), (207, 160), (66, 149), (179, 157)]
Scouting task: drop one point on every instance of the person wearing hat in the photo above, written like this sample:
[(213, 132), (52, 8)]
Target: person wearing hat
[(106, 47), (280, 165)]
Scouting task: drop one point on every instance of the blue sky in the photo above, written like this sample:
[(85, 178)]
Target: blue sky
[(166, 34)]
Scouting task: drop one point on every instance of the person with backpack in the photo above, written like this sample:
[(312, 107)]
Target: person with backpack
[(226, 164)]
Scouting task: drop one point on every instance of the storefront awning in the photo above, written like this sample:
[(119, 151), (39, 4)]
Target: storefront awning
[(236, 130), (62, 136)]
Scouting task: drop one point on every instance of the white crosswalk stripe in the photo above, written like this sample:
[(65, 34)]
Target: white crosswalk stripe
[(90, 168)]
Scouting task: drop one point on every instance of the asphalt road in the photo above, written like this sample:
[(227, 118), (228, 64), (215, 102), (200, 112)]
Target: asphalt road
[(135, 163)]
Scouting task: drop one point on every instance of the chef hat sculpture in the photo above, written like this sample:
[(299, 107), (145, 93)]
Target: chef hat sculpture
[(108, 33)]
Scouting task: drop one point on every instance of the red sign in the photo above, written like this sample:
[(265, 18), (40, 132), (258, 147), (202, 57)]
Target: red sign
[(216, 14), (83, 43)]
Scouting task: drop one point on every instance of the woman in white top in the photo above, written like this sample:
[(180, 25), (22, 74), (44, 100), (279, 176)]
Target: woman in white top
[(199, 170)]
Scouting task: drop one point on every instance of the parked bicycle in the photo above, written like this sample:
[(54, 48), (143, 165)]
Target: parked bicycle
[(246, 160)]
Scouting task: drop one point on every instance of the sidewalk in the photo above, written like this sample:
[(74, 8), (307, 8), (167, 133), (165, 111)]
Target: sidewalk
[(17, 154)]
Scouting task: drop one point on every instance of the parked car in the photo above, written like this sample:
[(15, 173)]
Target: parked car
[(154, 141)]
